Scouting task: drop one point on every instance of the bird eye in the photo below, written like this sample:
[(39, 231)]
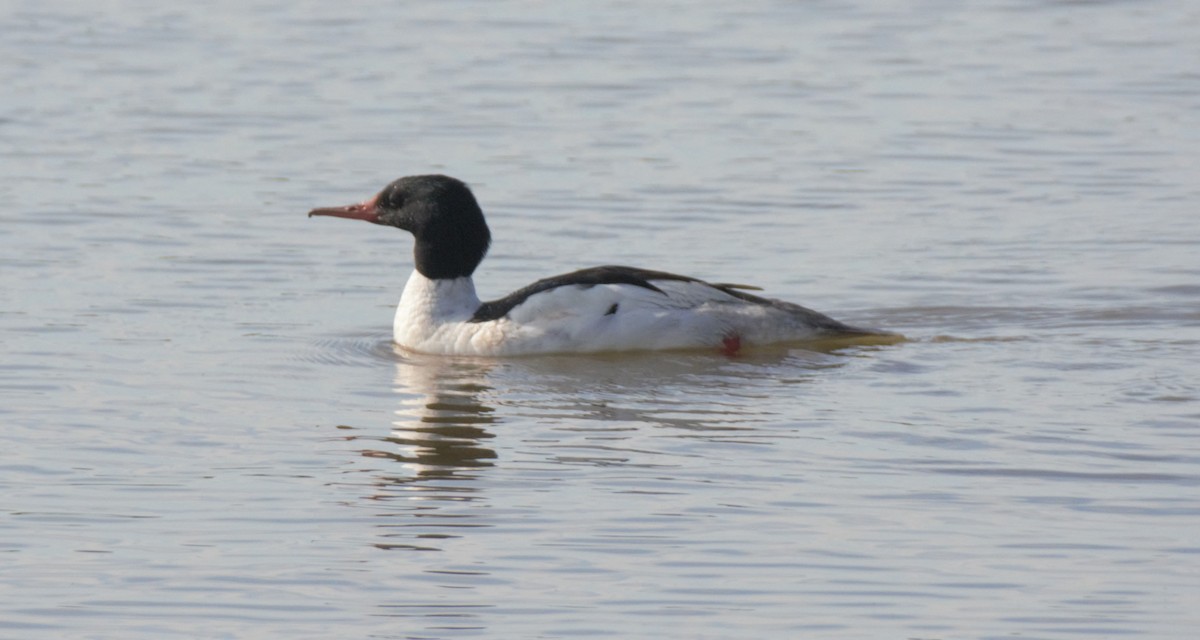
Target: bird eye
[(393, 200)]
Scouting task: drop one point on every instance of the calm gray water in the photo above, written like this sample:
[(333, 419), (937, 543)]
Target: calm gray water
[(207, 433)]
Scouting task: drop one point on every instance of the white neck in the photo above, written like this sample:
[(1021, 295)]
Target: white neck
[(439, 300)]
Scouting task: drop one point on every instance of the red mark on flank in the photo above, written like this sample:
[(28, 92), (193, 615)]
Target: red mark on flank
[(731, 344)]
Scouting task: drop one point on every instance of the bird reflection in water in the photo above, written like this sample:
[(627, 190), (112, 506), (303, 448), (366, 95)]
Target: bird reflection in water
[(442, 421), (438, 443)]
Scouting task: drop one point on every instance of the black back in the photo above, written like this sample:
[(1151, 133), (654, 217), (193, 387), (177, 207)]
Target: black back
[(587, 278)]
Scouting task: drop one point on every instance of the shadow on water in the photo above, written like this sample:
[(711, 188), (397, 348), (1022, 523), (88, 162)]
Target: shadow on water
[(442, 437), (483, 463)]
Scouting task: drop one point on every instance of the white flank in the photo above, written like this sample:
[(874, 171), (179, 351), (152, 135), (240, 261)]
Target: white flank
[(434, 317)]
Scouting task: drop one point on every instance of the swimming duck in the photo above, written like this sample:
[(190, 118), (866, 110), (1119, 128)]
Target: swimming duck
[(608, 308)]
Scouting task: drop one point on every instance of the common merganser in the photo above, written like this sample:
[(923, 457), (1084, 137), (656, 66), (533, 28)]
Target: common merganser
[(608, 308)]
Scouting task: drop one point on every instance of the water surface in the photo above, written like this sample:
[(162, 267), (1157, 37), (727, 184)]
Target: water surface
[(209, 434)]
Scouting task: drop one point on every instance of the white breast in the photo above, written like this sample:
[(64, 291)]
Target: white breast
[(433, 315)]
